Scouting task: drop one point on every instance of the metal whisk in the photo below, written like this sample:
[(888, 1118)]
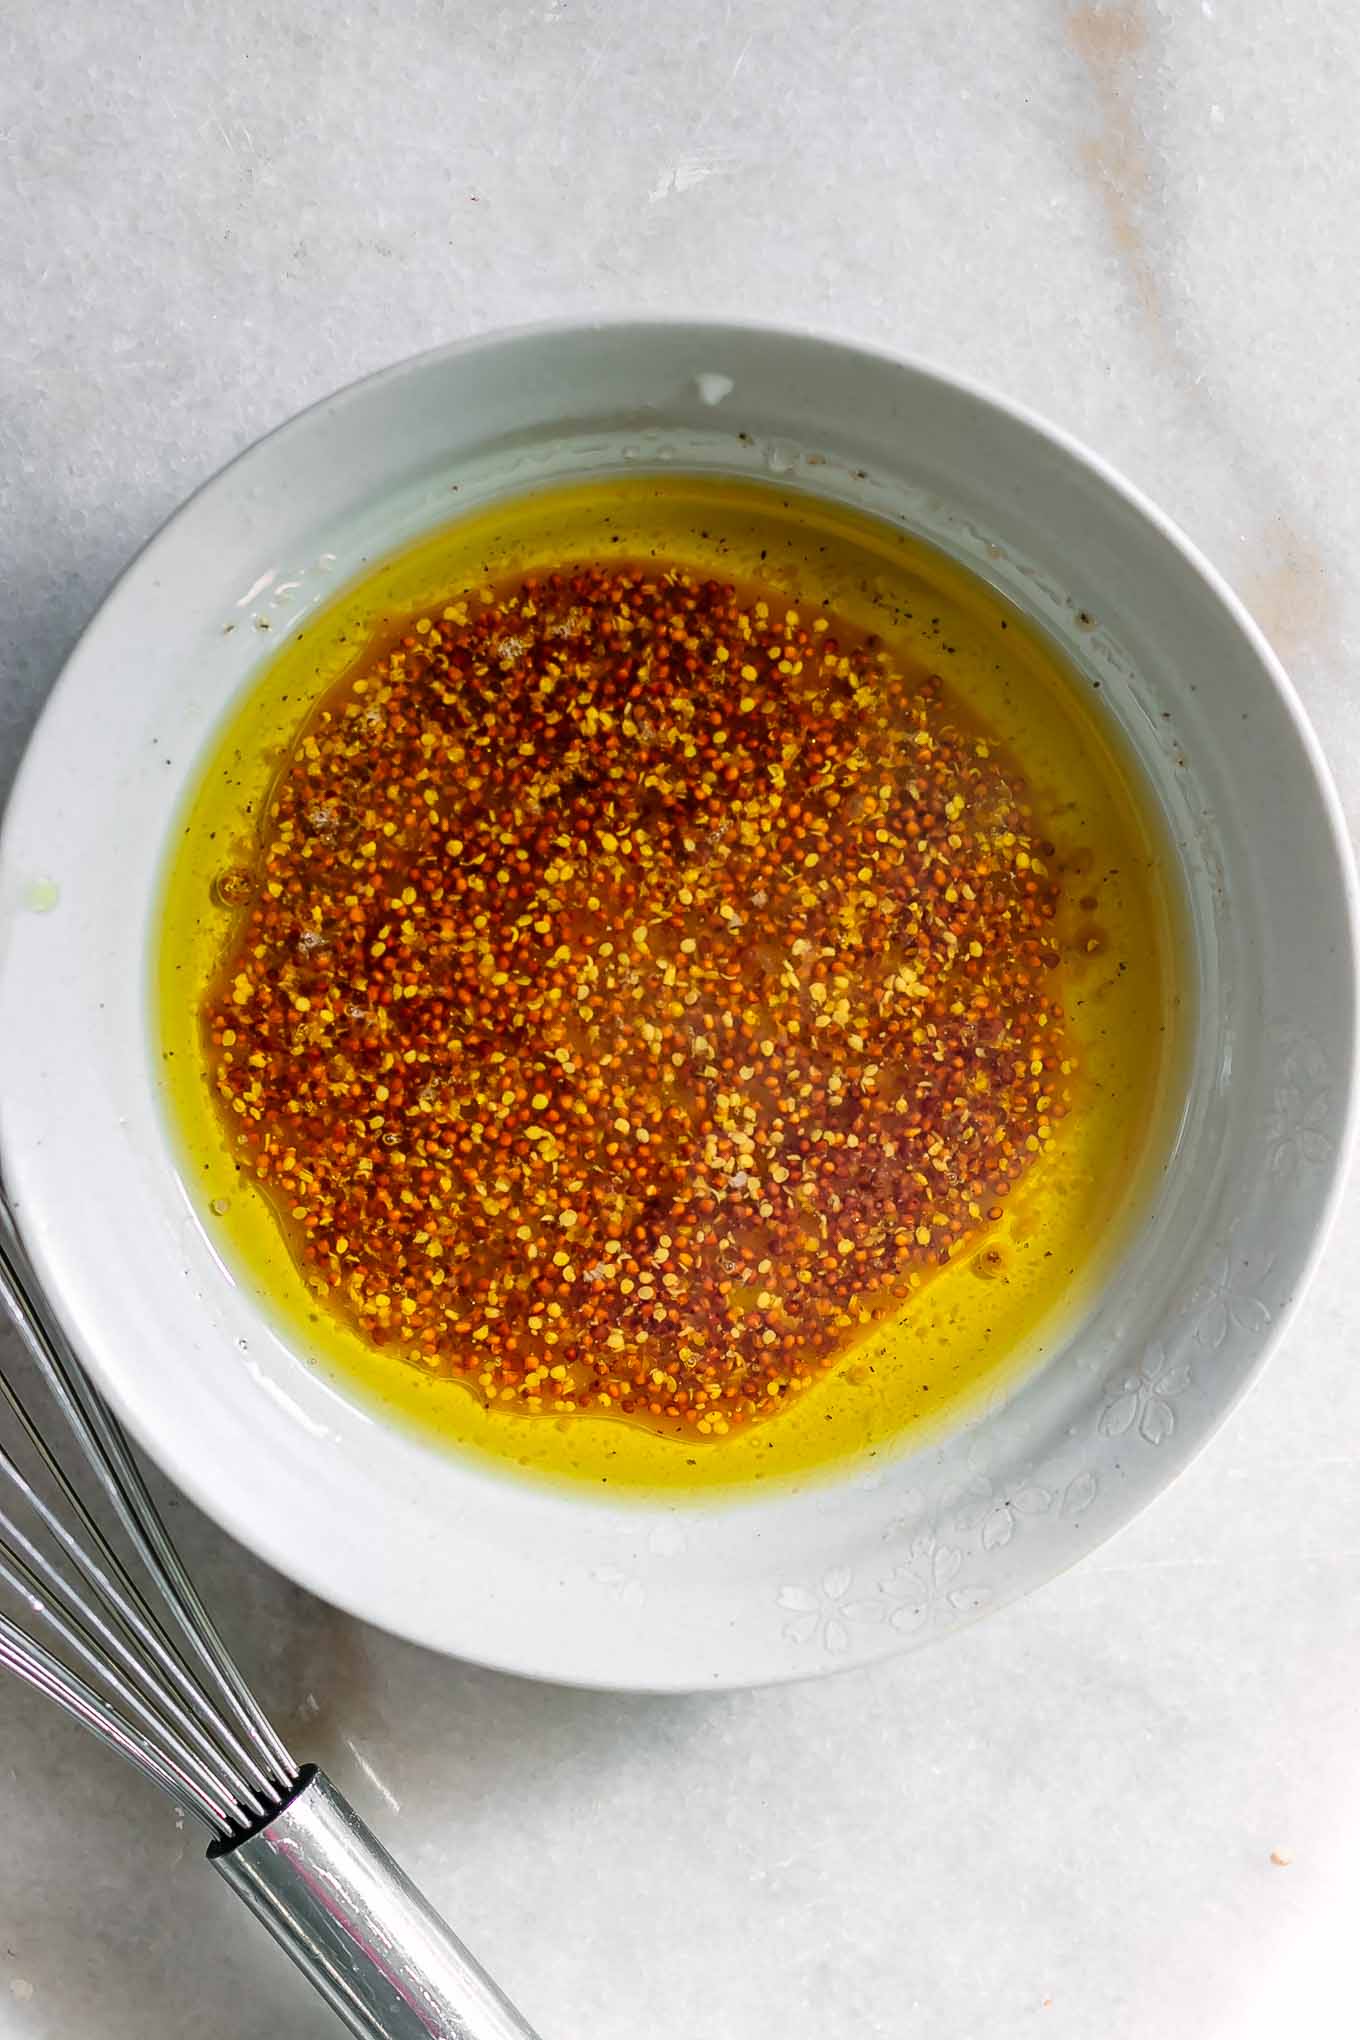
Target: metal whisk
[(115, 1633)]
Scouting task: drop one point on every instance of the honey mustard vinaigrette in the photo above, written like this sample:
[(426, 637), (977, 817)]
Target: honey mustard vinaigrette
[(671, 983)]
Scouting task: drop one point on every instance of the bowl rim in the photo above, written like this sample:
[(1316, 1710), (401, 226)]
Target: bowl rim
[(160, 1440)]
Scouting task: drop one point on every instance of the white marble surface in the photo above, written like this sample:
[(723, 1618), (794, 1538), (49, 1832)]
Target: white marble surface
[(1136, 216)]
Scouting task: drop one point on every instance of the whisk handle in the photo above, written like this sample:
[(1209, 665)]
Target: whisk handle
[(354, 1923)]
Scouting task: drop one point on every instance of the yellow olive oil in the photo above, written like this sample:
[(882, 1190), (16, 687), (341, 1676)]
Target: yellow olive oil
[(1001, 1300)]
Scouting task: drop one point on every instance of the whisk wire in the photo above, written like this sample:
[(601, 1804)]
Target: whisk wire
[(83, 1629), (121, 1478), (21, 1653), (110, 1578), (232, 1745), (136, 1660), (182, 1597)]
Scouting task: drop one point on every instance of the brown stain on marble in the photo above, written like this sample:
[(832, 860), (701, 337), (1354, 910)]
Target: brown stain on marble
[(1111, 41), (1287, 586), (1291, 593)]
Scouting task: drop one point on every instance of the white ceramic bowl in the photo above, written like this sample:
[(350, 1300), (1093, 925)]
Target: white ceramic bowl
[(669, 1595)]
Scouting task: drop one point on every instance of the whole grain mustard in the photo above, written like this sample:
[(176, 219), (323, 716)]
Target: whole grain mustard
[(640, 988)]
